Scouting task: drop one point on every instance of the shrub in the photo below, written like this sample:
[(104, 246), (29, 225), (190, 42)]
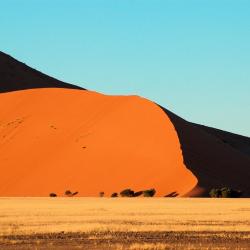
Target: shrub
[(230, 193), (149, 193), (114, 195), (236, 193), (225, 192), (127, 193), (68, 193), (171, 195), (101, 194), (215, 193), (139, 193), (53, 195)]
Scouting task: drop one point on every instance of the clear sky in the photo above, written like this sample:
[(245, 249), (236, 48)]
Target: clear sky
[(191, 56)]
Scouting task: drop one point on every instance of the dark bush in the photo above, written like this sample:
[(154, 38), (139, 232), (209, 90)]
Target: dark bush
[(149, 193), (215, 193), (127, 193), (53, 195), (139, 193), (75, 193), (101, 194), (230, 193), (225, 192), (68, 193), (171, 195), (114, 195), (236, 193)]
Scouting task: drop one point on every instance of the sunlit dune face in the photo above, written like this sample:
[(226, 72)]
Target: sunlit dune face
[(58, 139)]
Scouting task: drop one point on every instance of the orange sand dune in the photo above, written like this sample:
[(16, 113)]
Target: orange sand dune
[(58, 139)]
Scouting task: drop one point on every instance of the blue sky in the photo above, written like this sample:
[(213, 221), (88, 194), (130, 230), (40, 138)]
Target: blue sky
[(191, 56)]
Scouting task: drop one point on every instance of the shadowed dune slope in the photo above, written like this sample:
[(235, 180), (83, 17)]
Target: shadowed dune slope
[(15, 75), (58, 139), (238, 142), (217, 158)]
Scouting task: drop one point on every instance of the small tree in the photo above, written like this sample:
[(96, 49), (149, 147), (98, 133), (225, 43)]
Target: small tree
[(114, 195), (127, 193), (101, 194), (53, 195), (149, 193)]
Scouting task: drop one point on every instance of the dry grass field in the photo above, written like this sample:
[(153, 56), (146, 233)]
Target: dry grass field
[(124, 223)]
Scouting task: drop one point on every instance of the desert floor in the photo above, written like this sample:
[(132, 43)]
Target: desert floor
[(124, 223)]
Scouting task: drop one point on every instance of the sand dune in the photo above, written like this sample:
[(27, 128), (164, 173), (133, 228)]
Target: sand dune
[(58, 139), (56, 136)]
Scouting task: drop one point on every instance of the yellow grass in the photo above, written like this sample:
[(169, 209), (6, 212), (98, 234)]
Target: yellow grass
[(147, 246), (46, 215)]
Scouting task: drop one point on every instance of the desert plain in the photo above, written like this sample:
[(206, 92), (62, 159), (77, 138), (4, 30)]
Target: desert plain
[(124, 223)]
